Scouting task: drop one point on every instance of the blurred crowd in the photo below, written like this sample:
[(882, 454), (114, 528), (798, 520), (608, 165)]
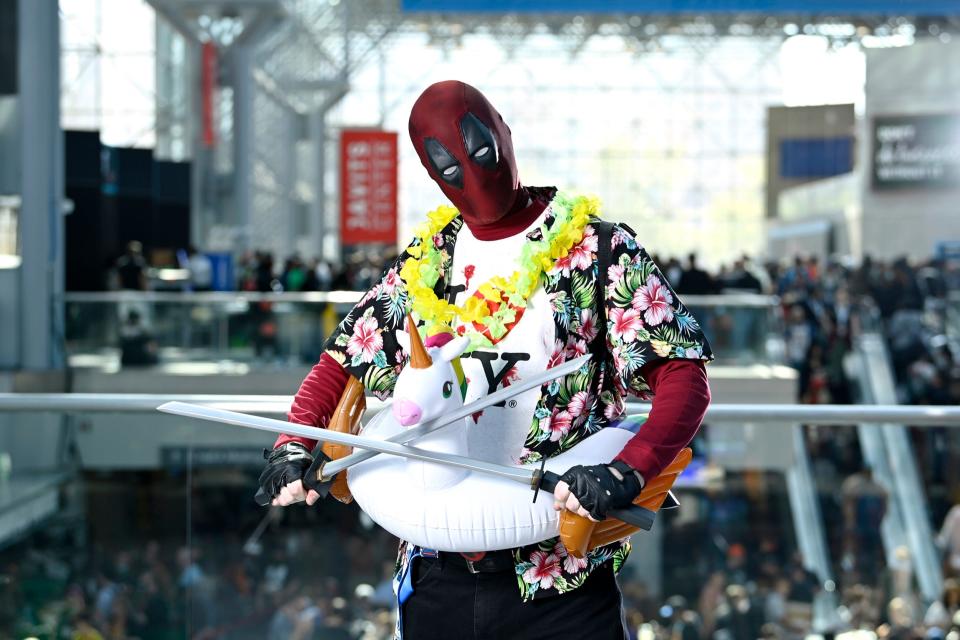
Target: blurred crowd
[(327, 583), (192, 270), (730, 572), (258, 271), (293, 589)]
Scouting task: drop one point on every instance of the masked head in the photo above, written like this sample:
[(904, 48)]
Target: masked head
[(466, 148)]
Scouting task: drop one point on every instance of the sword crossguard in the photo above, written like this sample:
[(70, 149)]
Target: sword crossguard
[(537, 479), (313, 478)]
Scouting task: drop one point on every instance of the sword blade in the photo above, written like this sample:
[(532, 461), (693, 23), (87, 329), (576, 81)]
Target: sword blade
[(637, 516), (334, 467), (525, 476)]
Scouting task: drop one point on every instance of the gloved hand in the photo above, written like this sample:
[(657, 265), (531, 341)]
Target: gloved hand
[(592, 491), (281, 482)]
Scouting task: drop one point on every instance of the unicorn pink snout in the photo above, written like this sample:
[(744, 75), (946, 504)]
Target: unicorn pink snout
[(407, 412)]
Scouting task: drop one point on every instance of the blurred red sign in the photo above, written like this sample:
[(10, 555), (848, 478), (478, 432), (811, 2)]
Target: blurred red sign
[(208, 87), (368, 187)]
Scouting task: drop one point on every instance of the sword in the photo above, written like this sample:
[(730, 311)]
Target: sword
[(331, 468), (536, 479)]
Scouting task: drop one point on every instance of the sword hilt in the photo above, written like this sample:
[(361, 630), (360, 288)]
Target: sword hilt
[(262, 498), (637, 516), (313, 477)]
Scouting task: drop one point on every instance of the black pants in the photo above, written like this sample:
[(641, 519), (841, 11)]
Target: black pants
[(450, 603)]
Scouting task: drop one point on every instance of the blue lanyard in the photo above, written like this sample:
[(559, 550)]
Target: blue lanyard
[(405, 590)]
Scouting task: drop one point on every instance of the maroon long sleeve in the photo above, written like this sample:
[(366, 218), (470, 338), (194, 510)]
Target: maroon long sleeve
[(318, 396), (680, 402)]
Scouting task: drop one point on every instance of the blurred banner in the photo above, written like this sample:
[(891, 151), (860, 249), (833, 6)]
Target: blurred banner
[(208, 84), (916, 151), (368, 187), (816, 157), (831, 7)]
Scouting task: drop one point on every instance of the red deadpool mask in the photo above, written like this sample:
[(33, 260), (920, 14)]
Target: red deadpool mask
[(466, 148)]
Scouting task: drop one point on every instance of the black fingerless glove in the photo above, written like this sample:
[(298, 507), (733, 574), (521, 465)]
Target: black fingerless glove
[(598, 489), (285, 464)]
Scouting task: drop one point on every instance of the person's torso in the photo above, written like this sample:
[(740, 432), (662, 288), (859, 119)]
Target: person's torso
[(499, 433)]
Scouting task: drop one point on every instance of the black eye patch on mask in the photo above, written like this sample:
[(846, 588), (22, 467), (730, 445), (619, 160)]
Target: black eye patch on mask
[(479, 142), (444, 163)]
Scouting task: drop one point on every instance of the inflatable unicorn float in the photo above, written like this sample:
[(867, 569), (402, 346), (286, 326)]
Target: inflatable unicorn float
[(435, 493)]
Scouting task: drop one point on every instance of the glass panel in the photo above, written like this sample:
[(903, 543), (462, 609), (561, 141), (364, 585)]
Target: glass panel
[(113, 330)]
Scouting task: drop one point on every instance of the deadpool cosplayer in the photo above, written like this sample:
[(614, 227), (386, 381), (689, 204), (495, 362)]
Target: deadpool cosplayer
[(533, 277)]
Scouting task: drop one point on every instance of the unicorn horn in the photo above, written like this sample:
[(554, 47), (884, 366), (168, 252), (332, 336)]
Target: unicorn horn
[(419, 358)]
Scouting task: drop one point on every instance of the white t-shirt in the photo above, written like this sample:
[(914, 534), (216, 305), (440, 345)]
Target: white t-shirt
[(499, 434)]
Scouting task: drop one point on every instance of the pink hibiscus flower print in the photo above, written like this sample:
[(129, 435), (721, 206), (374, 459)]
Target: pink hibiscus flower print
[(557, 356), (570, 563), (614, 278), (390, 281), (576, 348), (366, 340), (573, 564), (654, 300), (588, 325), (560, 425), (614, 409), (614, 273), (371, 294), (545, 569), (577, 404), (625, 323), (580, 255)]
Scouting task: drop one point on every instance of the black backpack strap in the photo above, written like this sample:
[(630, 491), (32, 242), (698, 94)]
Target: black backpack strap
[(604, 231), (598, 348)]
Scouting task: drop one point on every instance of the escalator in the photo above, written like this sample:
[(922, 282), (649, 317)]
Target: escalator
[(887, 451), (27, 501)]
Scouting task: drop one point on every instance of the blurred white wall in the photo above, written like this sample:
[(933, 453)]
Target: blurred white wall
[(917, 80)]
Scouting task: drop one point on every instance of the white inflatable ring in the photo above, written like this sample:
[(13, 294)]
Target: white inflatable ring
[(481, 512)]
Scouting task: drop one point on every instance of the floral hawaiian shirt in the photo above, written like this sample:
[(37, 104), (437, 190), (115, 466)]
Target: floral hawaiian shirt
[(645, 322)]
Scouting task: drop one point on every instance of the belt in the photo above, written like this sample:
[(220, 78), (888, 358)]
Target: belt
[(480, 562)]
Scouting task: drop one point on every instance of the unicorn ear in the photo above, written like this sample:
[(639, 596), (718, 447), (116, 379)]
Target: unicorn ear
[(454, 348), (403, 338)]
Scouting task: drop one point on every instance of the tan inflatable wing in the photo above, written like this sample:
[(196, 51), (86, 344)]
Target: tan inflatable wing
[(345, 419), (580, 535)]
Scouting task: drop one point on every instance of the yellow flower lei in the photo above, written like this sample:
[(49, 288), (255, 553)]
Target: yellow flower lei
[(421, 270)]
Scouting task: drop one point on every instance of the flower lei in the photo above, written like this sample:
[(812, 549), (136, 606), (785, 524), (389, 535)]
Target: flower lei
[(421, 271)]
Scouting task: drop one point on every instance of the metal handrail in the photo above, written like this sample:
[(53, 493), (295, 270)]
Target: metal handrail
[(213, 297), (342, 297), (823, 414)]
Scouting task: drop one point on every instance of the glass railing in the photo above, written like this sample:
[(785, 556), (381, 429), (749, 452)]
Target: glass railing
[(138, 524), (111, 331), (952, 320)]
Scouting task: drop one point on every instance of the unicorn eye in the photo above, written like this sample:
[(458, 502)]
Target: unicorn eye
[(447, 389)]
